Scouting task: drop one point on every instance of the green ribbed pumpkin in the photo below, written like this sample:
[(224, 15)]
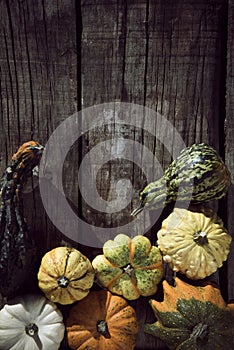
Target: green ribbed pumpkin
[(129, 267)]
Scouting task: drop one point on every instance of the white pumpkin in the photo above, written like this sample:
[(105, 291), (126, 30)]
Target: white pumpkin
[(31, 322)]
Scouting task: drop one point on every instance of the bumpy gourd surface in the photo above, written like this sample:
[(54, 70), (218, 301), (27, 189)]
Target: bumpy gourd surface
[(17, 247), (65, 275), (197, 175), (194, 243), (195, 318), (129, 267)]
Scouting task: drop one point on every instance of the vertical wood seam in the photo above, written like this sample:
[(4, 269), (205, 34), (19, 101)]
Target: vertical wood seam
[(30, 78), (223, 78), (124, 36), (11, 88), (146, 49), (79, 33), (1, 116), (46, 35), (15, 70)]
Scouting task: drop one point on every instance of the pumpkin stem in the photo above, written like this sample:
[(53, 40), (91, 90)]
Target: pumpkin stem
[(102, 328), (128, 269), (200, 331), (63, 281), (31, 329), (200, 238)]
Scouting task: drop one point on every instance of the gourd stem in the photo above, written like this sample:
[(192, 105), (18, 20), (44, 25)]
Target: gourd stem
[(63, 281), (200, 331), (200, 238), (102, 328), (128, 269), (31, 329)]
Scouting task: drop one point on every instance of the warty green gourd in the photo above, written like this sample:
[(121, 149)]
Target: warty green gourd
[(197, 175), (17, 247)]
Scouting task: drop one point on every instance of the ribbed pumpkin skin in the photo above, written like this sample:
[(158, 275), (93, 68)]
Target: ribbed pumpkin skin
[(33, 312), (129, 267), (65, 265), (81, 325), (194, 242), (195, 318)]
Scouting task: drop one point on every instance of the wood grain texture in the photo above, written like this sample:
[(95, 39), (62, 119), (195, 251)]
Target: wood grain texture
[(38, 85), (60, 56)]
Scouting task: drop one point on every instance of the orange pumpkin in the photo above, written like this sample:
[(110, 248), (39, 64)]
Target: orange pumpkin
[(102, 321), (193, 318)]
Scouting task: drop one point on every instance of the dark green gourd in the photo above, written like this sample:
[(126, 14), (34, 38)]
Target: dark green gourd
[(17, 248), (197, 175)]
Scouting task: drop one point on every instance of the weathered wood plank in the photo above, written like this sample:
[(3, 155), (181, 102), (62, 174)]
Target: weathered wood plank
[(38, 86), (38, 90)]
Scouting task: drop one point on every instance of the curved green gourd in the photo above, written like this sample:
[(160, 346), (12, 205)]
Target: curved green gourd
[(197, 175)]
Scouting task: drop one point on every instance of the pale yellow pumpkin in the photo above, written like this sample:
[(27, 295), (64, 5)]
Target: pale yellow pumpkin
[(194, 242)]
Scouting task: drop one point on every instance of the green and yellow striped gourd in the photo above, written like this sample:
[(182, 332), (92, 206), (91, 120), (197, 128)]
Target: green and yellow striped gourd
[(197, 175)]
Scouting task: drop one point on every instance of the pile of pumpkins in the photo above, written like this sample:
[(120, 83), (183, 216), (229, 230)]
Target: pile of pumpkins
[(193, 242)]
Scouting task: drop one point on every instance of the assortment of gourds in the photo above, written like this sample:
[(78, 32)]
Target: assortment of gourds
[(193, 242)]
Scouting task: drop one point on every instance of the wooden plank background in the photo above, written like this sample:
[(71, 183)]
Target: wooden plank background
[(60, 56)]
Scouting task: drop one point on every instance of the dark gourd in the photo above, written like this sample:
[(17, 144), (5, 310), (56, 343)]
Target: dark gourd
[(197, 175), (17, 249)]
